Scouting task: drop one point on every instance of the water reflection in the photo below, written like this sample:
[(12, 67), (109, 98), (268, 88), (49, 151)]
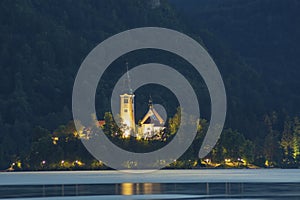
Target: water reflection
[(138, 188), (205, 190), (150, 188), (127, 189)]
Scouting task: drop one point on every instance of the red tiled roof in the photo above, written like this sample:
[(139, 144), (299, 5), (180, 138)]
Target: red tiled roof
[(101, 122)]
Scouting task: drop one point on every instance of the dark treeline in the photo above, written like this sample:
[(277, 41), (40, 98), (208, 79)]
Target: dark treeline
[(44, 42), (63, 150)]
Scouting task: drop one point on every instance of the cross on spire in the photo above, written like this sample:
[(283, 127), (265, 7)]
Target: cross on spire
[(150, 104)]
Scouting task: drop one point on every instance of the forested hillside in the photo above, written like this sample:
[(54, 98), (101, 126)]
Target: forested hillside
[(265, 34), (254, 44), (42, 46)]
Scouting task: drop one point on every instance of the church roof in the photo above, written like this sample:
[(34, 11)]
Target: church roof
[(152, 117)]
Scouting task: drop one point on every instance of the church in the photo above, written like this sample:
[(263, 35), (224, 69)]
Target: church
[(151, 125)]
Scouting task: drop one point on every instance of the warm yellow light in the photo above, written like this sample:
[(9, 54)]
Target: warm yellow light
[(195, 163), (19, 164), (126, 134), (76, 134), (79, 163), (267, 163), (127, 188), (54, 140)]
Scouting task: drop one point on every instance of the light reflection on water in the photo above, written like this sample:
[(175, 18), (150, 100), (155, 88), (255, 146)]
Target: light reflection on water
[(138, 188), (127, 188), (152, 190)]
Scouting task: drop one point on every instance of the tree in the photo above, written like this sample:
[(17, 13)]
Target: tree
[(248, 151), (41, 150), (233, 145), (111, 128), (271, 142), (296, 139), (174, 122), (287, 143), (39, 132)]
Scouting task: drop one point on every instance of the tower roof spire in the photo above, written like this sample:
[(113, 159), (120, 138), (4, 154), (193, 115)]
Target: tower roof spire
[(128, 79), (150, 102)]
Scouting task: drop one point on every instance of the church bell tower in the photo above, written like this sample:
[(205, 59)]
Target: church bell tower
[(127, 113), (127, 109)]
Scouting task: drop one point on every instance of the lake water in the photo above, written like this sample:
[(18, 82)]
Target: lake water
[(164, 184)]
